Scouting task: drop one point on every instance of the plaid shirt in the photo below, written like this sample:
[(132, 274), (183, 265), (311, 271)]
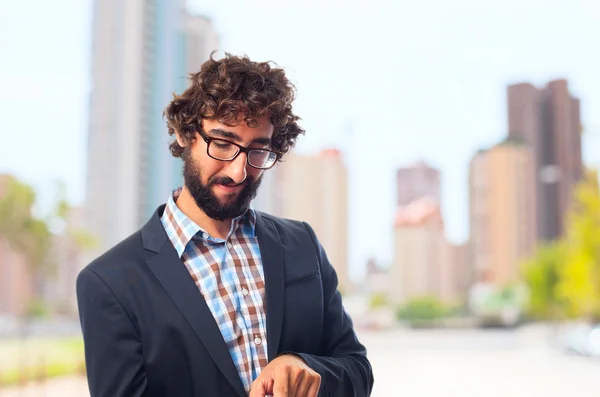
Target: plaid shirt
[(230, 276)]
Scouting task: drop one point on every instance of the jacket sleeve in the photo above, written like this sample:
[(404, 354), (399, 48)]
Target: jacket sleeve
[(344, 368), (113, 354)]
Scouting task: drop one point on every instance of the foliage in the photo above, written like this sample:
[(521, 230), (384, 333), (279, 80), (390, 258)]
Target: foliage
[(37, 308), (579, 280), (423, 308), (564, 277), (32, 236), (45, 358), (378, 300), (511, 295), (541, 274), (40, 372), (22, 231)]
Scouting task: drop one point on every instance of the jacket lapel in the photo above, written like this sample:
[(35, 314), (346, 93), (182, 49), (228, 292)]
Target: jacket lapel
[(272, 261), (176, 280)]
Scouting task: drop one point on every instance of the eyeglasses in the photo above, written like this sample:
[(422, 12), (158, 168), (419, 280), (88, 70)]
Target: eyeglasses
[(223, 150)]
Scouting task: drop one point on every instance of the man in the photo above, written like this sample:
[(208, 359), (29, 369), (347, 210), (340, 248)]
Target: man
[(212, 298)]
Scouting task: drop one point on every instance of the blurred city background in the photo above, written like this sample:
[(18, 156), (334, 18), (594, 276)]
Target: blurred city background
[(449, 169)]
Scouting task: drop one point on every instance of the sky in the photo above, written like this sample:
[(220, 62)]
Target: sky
[(388, 82)]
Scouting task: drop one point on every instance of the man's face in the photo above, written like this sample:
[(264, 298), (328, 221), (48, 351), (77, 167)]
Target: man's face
[(224, 189)]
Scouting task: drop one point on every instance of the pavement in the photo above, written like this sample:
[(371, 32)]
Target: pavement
[(71, 386), (470, 363), (447, 363)]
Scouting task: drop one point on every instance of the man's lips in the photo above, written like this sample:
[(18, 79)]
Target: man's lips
[(231, 187)]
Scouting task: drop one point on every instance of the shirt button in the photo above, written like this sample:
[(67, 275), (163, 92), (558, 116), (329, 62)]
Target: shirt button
[(205, 235), (230, 245), (244, 291), (257, 341)]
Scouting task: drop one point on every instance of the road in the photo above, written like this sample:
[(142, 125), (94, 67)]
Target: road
[(445, 363), (469, 363)]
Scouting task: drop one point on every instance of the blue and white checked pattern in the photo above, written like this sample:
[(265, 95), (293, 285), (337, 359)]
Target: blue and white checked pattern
[(229, 274)]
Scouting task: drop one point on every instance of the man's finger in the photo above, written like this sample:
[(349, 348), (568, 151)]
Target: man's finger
[(315, 385), (303, 385), (281, 387), (257, 390), (299, 382)]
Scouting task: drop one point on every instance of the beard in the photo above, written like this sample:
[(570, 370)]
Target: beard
[(205, 198)]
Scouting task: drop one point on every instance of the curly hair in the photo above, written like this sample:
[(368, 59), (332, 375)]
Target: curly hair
[(234, 90)]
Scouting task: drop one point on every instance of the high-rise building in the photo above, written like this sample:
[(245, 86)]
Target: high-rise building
[(313, 189), (269, 197), (419, 266), (425, 263), (502, 211), (548, 120), (479, 214), (417, 181), (201, 39), (459, 273), (142, 52)]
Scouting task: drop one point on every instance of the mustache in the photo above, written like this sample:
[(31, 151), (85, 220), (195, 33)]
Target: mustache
[(225, 180)]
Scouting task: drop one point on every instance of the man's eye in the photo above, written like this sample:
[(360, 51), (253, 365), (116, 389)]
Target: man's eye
[(222, 145)]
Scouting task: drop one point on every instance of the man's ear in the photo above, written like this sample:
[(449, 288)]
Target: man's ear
[(180, 141)]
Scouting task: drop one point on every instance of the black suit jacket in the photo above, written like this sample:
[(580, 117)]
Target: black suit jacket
[(148, 331)]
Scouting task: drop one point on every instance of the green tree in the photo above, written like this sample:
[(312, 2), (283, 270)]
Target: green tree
[(579, 280), (33, 236), (422, 309), (23, 232), (542, 274), (563, 277)]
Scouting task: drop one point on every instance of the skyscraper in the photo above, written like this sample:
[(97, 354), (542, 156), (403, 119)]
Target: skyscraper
[(548, 120), (142, 52), (201, 39), (419, 265), (479, 215), (502, 211), (425, 263), (460, 276), (313, 189), (417, 181)]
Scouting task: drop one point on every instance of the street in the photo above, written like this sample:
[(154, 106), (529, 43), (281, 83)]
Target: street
[(465, 363), (446, 363)]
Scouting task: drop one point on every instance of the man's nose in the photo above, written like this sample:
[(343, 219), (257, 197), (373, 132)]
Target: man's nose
[(237, 168)]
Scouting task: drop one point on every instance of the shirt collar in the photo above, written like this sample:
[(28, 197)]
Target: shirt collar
[(182, 230)]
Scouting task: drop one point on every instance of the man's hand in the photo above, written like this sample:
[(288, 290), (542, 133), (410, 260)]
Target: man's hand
[(286, 376)]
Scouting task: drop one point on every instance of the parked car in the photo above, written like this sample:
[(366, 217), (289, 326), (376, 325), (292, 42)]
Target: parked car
[(583, 339)]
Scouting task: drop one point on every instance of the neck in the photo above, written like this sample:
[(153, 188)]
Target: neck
[(187, 205)]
